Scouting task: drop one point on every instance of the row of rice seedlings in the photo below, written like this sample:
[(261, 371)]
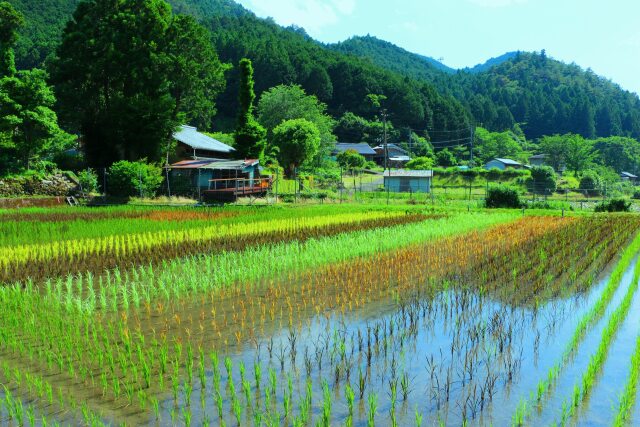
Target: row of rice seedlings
[(334, 355), (40, 261), (97, 223), (545, 386), (628, 396), (131, 243), (596, 362), (146, 285), (42, 399), (393, 336), (315, 291), (85, 223)]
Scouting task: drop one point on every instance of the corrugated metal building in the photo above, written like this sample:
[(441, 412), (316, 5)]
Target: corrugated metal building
[(408, 181)]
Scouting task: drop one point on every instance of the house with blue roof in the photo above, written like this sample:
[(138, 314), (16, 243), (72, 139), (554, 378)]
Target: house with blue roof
[(361, 148), (503, 164)]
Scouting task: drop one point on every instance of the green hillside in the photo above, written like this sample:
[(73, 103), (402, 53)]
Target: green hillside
[(543, 95)]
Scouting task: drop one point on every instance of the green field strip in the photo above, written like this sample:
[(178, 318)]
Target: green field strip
[(196, 274)]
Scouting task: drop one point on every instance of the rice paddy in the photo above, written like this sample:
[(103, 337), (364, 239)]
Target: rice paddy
[(353, 315)]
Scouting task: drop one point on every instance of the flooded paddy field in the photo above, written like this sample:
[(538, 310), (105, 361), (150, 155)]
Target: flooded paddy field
[(322, 316)]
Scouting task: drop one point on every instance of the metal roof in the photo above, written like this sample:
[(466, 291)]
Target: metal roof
[(628, 175), (509, 162), (231, 165), (362, 148), (391, 147), (400, 158), (190, 136), (409, 173), (215, 164), (538, 156)]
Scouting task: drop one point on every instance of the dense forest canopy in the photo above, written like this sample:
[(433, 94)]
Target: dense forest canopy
[(543, 95), (428, 104)]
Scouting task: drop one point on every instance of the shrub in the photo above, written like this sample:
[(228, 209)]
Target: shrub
[(370, 165), (503, 196), (590, 183), (542, 181), (127, 179), (88, 180), (446, 158), (420, 163), (351, 159), (614, 205)]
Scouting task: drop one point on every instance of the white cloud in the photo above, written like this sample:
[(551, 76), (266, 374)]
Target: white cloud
[(313, 15), (496, 3)]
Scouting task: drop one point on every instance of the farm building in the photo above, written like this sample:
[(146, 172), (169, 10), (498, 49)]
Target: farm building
[(538, 160), (543, 160), (196, 145), (397, 155), (405, 181), (503, 164), (221, 180), (362, 148), (627, 176)]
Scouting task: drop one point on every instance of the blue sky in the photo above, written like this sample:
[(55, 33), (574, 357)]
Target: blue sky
[(601, 35)]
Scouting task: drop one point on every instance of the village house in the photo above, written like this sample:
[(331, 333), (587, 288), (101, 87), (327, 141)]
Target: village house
[(398, 156), (361, 148), (628, 176), (503, 164), (194, 145)]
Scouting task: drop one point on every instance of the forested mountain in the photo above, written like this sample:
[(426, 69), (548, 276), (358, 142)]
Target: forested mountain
[(289, 55), (543, 95), (280, 56), (394, 58), (486, 66)]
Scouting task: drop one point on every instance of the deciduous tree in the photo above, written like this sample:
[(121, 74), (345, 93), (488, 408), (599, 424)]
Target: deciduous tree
[(298, 141)]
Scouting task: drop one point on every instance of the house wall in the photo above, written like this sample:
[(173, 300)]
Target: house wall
[(398, 184)]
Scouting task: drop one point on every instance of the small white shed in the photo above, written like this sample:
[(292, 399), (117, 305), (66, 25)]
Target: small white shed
[(408, 181)]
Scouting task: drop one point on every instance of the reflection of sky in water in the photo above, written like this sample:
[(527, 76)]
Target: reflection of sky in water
[(536, 342)]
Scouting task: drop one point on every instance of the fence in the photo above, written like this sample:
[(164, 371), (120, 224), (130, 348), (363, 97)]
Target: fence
[(192, 184)]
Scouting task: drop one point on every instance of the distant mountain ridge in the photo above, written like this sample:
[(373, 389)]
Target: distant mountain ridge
[(487, 65), (543, 95)]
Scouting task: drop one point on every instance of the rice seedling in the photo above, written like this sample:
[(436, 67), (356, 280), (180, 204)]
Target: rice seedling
[(629, 393)]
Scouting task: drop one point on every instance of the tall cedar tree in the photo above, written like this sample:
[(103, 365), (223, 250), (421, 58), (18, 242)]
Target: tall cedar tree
[(10, 22), (128, 72), (250, 136)]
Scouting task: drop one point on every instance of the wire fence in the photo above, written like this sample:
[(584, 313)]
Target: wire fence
[(195, 185)]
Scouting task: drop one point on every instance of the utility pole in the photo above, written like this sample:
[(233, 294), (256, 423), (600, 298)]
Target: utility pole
[(384, 116), (387, 181), (471, 131)]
